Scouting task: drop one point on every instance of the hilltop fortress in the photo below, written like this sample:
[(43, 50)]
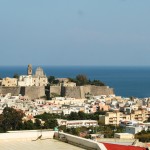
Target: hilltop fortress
[(33, 86)]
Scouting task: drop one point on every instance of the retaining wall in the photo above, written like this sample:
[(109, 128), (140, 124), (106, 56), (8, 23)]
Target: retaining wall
[(80, 142)]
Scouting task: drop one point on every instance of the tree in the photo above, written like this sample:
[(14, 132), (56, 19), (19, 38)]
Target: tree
[(50, 120), (1, 126), (28, 125), (143, 136), (16, 76), (82, 115), (45, 116), (73, 116), (81, 79), (37, 124), (148, 119), (50, 123), (11, 118), (96, 83), (75, 131), (51, 79)]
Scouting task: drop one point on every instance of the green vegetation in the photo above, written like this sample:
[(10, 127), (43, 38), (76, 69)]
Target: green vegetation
[(49, 119), (52, 80), (16, 76), (107, 131), (54, 95), (10, 119), (83, 116), (148, 119), (81, 80), (143, 136), (47, 92)]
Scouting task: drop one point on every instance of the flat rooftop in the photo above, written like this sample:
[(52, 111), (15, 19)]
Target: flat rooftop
[(46, 144)]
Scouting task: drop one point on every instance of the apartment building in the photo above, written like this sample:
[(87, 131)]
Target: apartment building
[(77, 123), (114, 118)]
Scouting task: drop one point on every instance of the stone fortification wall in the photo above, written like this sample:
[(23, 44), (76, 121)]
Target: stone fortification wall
[(55, 89), (32, 91), (87, 89), (81, 91), (74, 92), (101, 90), (13, 90)]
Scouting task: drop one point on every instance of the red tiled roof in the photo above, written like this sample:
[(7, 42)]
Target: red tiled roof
[(122, 147)]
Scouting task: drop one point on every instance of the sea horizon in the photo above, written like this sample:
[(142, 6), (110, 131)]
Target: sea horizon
[(127, 81)]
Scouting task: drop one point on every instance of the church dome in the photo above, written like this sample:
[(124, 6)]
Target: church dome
[(39, 72)]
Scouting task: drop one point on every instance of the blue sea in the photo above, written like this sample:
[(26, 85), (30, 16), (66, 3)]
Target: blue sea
[(126, 81)]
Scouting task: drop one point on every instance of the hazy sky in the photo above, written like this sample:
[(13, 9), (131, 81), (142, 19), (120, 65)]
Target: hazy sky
[(75, 32)]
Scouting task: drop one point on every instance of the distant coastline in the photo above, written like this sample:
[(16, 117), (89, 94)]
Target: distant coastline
[(126, 81)]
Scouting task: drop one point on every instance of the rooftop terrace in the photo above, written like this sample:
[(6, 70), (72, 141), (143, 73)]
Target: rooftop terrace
[(47, 144)]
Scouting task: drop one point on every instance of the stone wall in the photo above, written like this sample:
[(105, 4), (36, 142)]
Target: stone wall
[(31, 91), (13, 90), (55, 89), (74, 92), (81, 91), (87, 89), (101, 90)]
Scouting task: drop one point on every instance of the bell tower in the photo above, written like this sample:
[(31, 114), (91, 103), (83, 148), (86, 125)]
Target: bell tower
[(29, 70)]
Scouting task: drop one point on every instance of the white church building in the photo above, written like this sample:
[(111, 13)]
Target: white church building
[(38, 79)]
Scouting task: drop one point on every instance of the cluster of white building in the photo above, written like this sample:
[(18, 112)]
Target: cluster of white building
[(77, 123), (120, 111)]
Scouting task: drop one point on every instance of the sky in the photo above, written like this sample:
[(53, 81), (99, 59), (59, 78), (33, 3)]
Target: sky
[(75, 32)]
